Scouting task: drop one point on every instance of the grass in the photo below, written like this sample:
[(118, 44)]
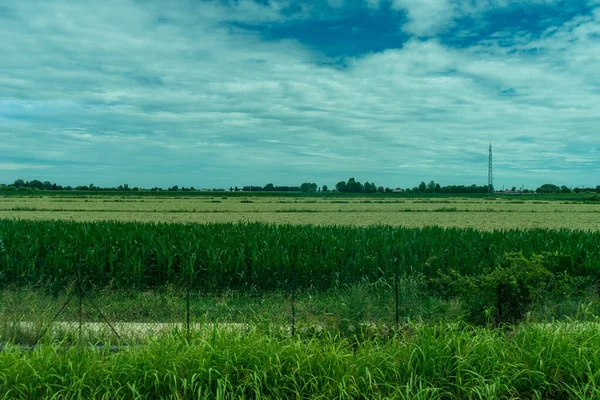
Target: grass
[(442, 361)]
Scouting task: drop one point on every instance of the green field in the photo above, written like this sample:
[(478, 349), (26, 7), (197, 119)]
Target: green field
[(144, 255), (300, 297), (508, 212)]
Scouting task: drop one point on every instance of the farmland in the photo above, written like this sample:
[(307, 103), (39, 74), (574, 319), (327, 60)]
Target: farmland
[(481, 213), (150, 255), (298, 296)]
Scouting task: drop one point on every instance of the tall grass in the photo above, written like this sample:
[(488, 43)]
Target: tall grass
[(434, 362), (144, 255)]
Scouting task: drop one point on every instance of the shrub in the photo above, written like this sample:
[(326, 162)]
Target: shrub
[(503, 294)]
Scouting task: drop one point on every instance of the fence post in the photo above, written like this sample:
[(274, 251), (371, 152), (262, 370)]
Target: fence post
[(187, 308), (499, 301), (188, 317), (396, 296), (80, 308), (293, 301)]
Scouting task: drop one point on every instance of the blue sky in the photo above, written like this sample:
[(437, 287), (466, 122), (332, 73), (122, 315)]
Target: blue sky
[(220, 93)]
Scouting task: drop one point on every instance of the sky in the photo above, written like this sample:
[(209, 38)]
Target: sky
[(224, 93)]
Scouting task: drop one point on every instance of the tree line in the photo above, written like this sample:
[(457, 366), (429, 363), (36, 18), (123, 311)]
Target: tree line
[(349, 186), (552, 188)]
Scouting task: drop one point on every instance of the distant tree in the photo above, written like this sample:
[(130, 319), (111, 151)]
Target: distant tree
[(324, 188), (514, 189), (380, 189), (308, 187), (340, 186), (438, 188), (565, 189), (548, 188), (269, 187), (422, 187), (369, 187), (431, 187), (352, 186), (35, 184), (18, 183)]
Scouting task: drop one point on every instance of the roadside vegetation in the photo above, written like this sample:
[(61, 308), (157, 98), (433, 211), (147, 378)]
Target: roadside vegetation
[(556, 361)]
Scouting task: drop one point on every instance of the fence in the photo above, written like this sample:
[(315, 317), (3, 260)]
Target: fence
[(350, 305), (84, 313)]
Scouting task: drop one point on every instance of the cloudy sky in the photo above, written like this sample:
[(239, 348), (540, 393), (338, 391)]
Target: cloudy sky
[(219, 93)]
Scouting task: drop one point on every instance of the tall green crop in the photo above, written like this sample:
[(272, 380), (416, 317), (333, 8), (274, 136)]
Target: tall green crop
[(265, 256)]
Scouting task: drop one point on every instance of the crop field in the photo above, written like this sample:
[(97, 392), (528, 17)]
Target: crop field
[(481, 213), (266, 255), (299, 297)]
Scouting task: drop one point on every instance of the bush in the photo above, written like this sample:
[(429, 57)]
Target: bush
[(503, 294)]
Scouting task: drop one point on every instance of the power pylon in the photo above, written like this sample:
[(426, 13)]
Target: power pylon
[(490, 175)]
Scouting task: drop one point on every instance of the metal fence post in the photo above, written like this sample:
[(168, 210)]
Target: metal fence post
[(80, 295), (187, 307), (293, 302), (396, 295)]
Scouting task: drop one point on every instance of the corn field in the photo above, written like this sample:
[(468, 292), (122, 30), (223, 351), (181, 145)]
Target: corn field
[(145, 255)]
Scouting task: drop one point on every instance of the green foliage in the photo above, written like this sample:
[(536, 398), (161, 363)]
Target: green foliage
[(504, 293), (549, 188), (147, 255), (353, 186), (556, 361), (308, 187)]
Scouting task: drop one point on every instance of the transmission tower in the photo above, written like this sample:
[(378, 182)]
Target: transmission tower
[(490, 176)]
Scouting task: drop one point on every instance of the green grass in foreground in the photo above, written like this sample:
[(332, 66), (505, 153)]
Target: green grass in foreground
[(553, 361)]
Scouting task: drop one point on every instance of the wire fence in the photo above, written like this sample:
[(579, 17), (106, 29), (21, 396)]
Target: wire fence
[(82, 313)]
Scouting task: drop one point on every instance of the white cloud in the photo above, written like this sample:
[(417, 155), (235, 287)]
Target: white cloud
[(21, 166), (430, 17), (178, 97), (427, 17)]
